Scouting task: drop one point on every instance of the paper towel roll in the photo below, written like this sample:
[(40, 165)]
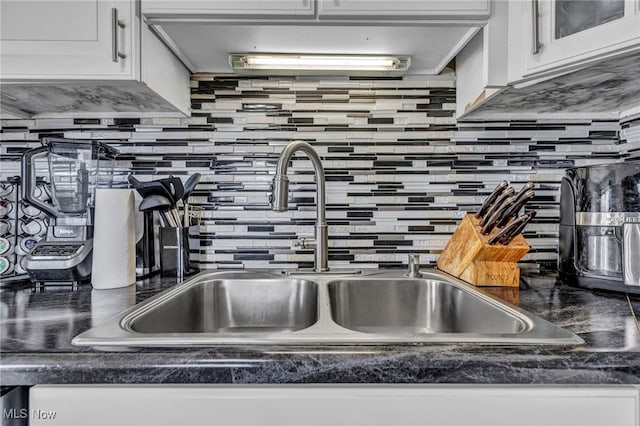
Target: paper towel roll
[(114, 239), (107, 303)]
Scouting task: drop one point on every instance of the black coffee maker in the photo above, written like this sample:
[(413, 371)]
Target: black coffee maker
[(600, 227)]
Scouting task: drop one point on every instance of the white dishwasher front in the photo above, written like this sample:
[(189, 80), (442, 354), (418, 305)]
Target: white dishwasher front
[(334, 404)]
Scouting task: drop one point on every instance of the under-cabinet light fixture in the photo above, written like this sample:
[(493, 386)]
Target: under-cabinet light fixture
[(262, 63)]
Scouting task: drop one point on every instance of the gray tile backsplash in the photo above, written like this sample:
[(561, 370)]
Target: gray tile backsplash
[(400, 171), (630, 136)]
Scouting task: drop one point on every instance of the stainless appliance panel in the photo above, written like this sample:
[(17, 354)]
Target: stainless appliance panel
[(631, 252)]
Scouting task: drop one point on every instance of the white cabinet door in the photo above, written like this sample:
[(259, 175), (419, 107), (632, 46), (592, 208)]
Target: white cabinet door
[(414, 9), (284, 405), (571, 32), (67, 39), (229, 8)]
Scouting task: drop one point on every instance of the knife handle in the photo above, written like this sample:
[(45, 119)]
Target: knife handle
[(519, 203), (509, 236), (500, 235), (491, 198), (493, 220), (506, 239), (526, 187), (497, 205)]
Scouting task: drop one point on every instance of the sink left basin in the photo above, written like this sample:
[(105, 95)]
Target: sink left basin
[(230, 306), (213, 308)]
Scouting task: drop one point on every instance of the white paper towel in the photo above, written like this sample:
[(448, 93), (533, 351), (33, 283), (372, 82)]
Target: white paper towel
[(107, 303), (114, 239)]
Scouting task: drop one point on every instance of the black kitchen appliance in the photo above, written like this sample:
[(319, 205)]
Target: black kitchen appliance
[(600, 227), (75, 169)]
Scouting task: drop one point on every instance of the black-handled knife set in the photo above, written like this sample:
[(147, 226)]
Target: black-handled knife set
[(501, 211)]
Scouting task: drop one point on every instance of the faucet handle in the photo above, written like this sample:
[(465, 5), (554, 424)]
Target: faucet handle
[(305, 243), (414, 266)]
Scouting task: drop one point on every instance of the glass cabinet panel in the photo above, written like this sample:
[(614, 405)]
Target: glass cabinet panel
[(572, 16)]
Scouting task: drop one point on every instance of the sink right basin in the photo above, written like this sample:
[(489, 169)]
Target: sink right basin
[(417, 307)]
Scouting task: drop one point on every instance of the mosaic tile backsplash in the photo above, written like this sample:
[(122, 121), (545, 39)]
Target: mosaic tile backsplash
[(400, 171)]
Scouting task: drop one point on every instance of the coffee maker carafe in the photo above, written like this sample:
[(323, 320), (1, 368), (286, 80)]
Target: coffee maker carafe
[(600, 227), (76, 168)]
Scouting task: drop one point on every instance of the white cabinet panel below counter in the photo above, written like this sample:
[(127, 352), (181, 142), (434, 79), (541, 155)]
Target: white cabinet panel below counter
[(282, 405)]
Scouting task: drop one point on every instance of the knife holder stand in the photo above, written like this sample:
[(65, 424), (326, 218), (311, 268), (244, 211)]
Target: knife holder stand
[(469, 256)]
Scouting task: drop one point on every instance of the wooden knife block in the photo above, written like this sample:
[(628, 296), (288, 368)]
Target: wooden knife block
[(469, 256)]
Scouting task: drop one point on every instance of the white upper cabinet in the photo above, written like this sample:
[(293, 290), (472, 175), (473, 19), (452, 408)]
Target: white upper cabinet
[(67, 39), (570, 33), (231, 8), (397, 9), (578, 50), (339, 9), (88, 58)]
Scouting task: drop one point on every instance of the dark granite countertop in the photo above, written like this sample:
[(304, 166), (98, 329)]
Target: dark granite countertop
[(37, 328)]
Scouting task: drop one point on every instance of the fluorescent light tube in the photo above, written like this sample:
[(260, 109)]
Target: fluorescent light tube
[(323, 63)]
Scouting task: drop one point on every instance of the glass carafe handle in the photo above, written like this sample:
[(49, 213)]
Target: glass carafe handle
[(29, 180)]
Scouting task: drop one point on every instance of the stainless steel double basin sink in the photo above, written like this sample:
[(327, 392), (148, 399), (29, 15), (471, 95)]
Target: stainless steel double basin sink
[(248, 307)]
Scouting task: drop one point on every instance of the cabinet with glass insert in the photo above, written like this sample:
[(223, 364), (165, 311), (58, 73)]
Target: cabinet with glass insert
[(568, 34)]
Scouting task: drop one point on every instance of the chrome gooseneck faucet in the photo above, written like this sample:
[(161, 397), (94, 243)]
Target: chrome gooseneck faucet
[(280, 199)]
